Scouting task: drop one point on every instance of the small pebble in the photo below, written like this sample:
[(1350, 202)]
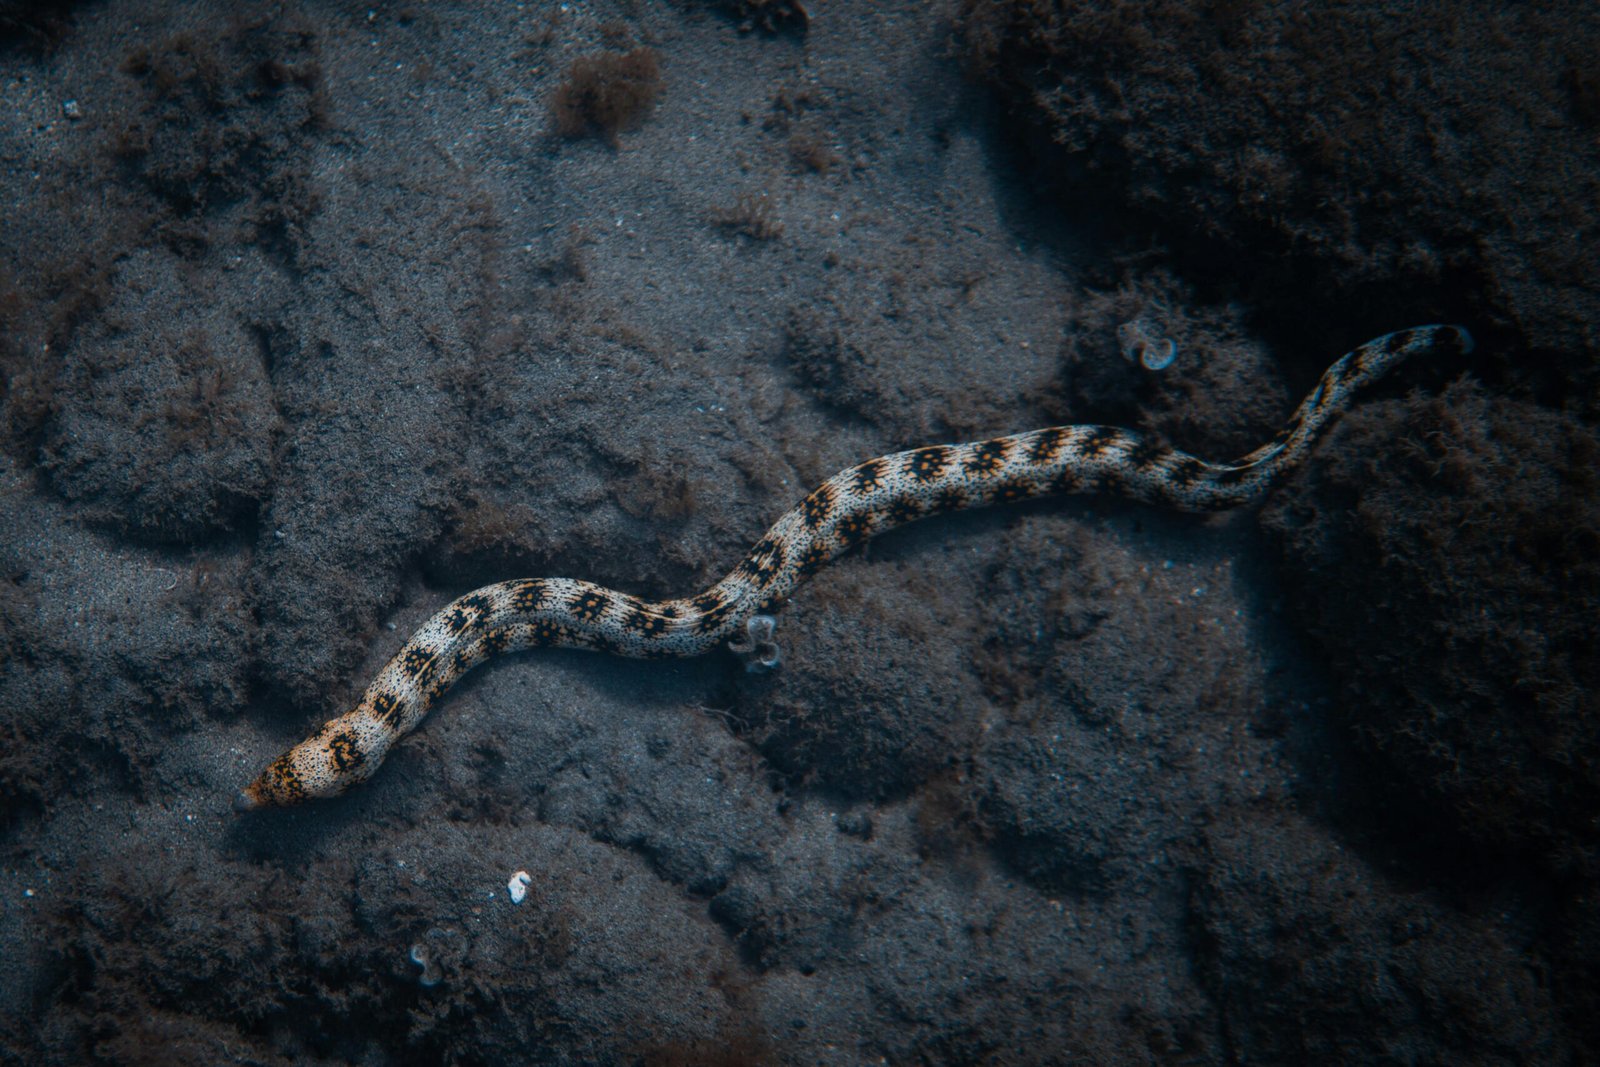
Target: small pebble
[(518, 886)]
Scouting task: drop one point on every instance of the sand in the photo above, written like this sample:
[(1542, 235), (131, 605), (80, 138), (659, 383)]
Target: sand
[(318, 317)]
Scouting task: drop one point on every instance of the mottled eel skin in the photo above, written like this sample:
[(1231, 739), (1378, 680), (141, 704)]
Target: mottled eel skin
[(844, 511)]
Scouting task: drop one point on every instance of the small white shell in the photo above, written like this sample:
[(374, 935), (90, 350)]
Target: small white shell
[(1158, 355), (518, 886), (1140, 344), (758, 648)]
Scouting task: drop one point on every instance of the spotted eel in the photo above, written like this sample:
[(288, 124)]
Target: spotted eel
[(842, 512)]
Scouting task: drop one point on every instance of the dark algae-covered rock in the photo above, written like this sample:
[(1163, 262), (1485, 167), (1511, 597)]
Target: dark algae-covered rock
[(1446, 559)]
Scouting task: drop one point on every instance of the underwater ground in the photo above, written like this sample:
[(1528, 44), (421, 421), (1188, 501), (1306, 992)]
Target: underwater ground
[(316, 316)]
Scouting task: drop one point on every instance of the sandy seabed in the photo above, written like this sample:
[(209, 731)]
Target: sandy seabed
[(317, 316)]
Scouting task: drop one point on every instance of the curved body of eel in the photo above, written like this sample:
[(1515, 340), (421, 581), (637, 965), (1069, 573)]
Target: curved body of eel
[(842, 512)]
